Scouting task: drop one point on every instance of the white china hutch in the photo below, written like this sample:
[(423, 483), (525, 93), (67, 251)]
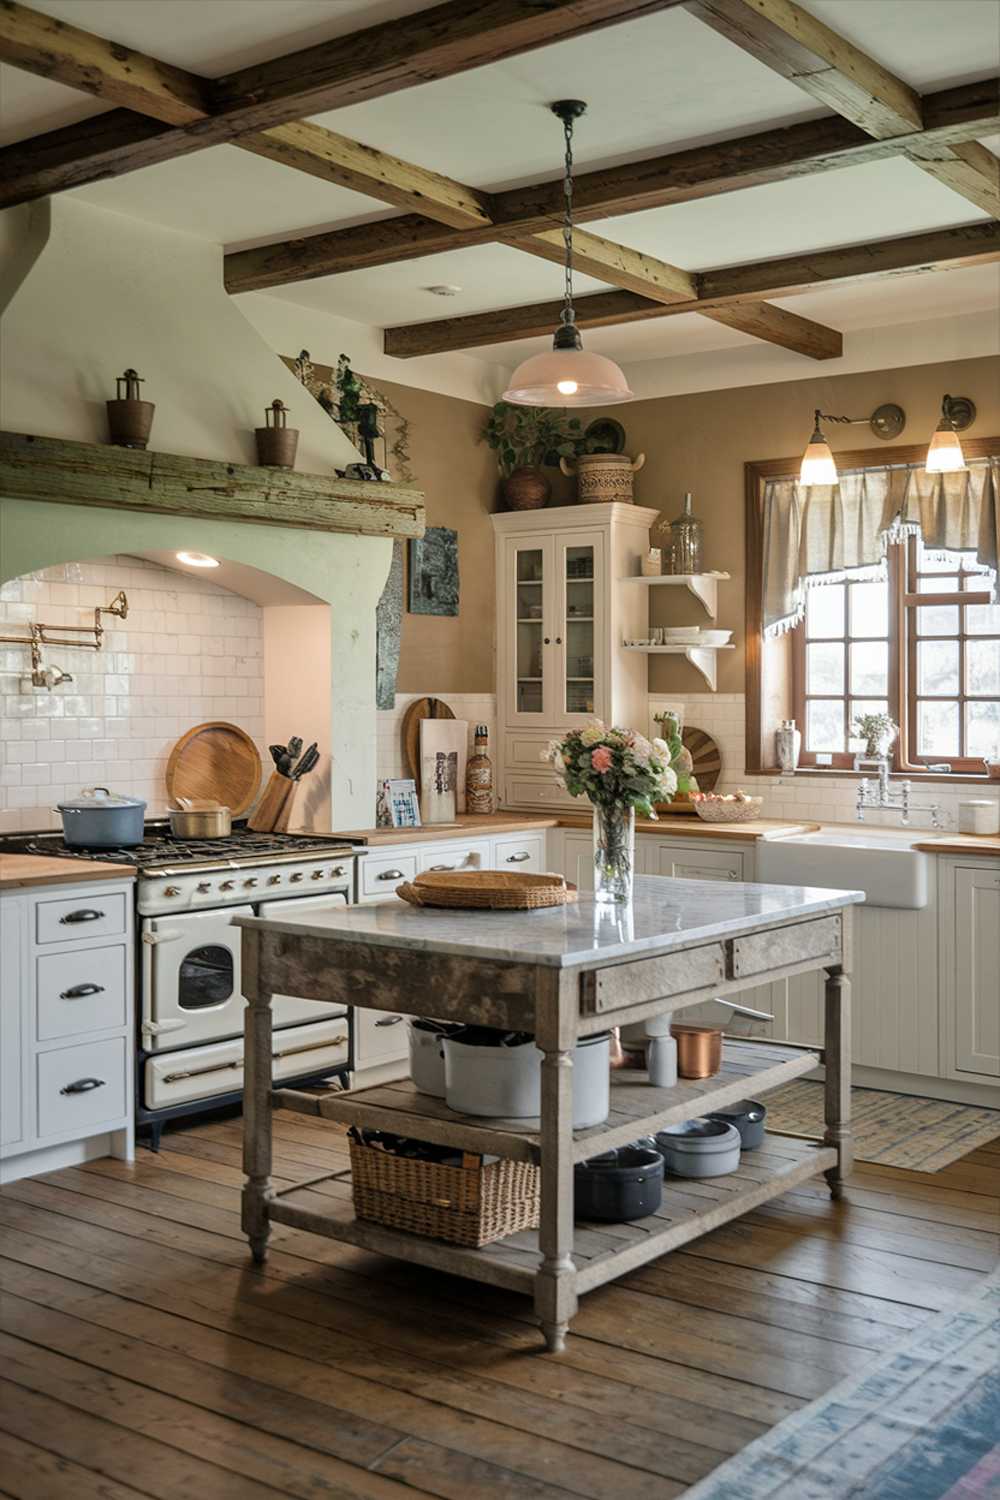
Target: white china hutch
[(562, 616)]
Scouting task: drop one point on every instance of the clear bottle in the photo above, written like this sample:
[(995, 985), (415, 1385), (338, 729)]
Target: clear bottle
[(479, 776), (686, 535)]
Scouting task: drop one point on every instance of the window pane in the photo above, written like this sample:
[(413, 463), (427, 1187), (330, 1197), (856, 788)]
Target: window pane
[(825, 724), (937, 729), (870, 667), (825, 610), (982, 730), (980, 619), (982, 668), (937, 619), (860, 706), (869, 609), (937, 668), (824, 668)]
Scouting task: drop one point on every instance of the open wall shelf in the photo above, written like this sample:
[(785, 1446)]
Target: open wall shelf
[(702, 657), (704, 586)]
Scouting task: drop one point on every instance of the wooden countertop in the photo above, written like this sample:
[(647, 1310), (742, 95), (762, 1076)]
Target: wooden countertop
[(680, 826), (467, 825), (963, 843), (20, 870)]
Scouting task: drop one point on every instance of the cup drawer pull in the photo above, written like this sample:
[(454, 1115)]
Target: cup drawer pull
[(389, 1021), (79, 991), (390, 875), (435, 869), (85, 914), (83, 1086), (519, 858)]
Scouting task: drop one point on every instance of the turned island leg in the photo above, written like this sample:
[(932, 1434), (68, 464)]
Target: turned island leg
[(256, 1103), (555, 1286), (837, 1060)]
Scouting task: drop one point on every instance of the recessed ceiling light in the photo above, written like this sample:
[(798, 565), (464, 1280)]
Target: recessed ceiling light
[(447, 289), (198, 559)]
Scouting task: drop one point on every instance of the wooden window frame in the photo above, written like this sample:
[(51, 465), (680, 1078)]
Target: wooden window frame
[(760, 758)]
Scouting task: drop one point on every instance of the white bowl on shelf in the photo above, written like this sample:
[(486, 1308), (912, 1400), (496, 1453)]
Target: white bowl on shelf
[(716, 637)]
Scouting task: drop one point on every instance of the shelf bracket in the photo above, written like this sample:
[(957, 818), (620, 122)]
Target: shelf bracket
[(706, 662), (706, 589)]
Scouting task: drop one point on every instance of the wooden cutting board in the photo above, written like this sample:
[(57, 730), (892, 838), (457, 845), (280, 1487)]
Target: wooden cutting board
[(419, 709), (218, 761)]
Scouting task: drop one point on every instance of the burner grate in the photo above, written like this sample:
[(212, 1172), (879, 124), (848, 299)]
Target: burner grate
[(160, 848)]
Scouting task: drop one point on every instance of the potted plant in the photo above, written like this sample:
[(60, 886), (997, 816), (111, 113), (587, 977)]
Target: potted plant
[(622, 773), (524, 439), (878, 732)]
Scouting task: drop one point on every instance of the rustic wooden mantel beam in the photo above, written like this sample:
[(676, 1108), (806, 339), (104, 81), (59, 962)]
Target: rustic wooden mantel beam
[(43, 468)]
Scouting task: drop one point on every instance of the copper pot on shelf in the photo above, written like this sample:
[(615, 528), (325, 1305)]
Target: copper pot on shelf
[(699, 1050)]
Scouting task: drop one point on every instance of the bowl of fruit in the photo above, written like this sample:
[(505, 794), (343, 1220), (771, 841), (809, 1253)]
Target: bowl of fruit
[(736, 807)]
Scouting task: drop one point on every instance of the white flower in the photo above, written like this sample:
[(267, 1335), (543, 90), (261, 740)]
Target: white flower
[(662, 748), (592, 735)]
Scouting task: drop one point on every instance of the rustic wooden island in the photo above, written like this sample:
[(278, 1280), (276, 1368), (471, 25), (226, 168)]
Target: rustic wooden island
[(562, 974)]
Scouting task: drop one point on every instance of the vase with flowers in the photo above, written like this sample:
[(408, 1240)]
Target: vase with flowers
[(622, 773)]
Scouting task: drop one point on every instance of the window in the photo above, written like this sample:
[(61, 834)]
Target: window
[(921, 644)]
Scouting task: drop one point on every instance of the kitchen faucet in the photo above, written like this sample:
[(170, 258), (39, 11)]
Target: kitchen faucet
[(880, 796)]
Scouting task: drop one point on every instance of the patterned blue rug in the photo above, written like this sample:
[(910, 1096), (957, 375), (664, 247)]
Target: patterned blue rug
[(923, 1423)]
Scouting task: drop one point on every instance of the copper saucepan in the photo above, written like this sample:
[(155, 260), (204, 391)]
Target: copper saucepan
[(198, 819), (699, 1050)]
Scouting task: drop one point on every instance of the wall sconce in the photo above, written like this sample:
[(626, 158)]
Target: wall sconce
[(945, 456), (818, 466)]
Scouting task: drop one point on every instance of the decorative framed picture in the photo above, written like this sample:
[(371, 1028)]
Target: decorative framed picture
[(434, 572), (444, 751), (404, 804)]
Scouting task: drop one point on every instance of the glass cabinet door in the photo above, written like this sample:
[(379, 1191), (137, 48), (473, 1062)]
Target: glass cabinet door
[(530, 585), (579, 632)]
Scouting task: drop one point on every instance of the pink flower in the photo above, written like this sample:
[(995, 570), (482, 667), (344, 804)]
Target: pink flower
[(600, 759)]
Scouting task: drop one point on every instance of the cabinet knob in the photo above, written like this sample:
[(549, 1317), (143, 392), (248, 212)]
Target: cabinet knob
[(546, 641), (558, 640)]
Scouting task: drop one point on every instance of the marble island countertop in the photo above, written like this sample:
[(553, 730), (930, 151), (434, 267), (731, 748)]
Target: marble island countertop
[(664, 915)]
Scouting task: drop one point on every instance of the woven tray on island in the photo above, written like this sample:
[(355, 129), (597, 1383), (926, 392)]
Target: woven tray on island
[(487, 890)]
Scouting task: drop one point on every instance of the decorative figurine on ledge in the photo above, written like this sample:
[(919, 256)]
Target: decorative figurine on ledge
[(130, 420), (276, 442)]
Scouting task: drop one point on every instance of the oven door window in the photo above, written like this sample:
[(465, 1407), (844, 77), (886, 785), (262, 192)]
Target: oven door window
[(206, 977)]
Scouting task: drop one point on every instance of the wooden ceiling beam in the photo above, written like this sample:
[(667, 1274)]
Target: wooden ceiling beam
[(776, 325), (936, 250), (431, 44), (826, 66), (618, 264), (796, 44)]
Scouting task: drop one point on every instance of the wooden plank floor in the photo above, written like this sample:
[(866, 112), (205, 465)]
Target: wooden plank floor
[(142, 1355)]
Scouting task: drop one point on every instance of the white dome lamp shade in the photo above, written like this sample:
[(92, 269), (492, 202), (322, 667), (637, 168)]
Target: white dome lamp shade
[(945, 456), (569, 375)]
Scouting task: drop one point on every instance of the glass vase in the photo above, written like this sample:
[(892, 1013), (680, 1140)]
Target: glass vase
[(614, 852)]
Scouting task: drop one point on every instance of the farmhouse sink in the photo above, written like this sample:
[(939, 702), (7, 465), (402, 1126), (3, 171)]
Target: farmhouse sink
[(879, 861)]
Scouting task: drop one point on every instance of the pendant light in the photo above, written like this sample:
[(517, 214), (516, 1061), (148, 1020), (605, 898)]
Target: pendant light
[(569, 375), (945, 456)]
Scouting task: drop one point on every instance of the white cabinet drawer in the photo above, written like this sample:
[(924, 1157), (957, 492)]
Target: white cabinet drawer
[(82, 991), (200, 1072), (526, 751), (456, 856), (81, 1088), (381, 873), (379, 1037), (521, 851), (74, 918), (541, 791), (667, 857)]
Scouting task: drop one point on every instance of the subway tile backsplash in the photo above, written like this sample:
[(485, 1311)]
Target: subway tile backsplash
[(189, 651)]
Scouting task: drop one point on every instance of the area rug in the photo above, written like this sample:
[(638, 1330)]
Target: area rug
[(922, 1423), (895, 1130)]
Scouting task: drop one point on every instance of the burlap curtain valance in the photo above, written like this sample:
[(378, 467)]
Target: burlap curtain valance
[(828, 532)]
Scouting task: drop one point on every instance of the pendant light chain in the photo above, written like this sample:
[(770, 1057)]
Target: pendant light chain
[(568, 312)]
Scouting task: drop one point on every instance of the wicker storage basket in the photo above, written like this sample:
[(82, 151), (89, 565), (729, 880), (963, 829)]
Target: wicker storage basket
[(488, 890), (466, 1205)]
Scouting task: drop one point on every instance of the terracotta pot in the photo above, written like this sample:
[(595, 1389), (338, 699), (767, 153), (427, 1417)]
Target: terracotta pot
[(526, 488)]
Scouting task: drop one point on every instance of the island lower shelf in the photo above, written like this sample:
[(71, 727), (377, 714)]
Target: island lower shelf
[(637, 1108), (601, 1252)]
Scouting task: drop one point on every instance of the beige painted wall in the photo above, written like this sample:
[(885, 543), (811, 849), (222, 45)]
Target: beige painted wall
[(459, 478), (701, 442)]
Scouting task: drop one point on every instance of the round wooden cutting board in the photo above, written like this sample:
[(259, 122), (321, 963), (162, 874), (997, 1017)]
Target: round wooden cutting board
[(216, 761), (420, 709), (707, 768)]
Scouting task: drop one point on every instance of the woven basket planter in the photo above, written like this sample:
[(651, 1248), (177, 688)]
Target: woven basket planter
[(466, 1205)]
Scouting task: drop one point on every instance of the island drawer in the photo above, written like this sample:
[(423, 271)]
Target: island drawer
[(77, 917), (761, 951), (653, 978), (81, 991), (81, 1087)]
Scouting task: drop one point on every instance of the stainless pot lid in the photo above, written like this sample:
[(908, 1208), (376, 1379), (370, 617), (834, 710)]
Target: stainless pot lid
[(94, 797)]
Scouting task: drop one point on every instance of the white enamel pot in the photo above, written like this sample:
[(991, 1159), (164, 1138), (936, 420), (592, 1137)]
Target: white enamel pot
[(427, 1060), (700, 1148), (506, 1082)]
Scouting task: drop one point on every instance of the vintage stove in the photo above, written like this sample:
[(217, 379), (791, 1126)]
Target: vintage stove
[(189, 1022)]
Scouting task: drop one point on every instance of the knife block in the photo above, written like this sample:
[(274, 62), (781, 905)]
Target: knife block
[(274, 809)]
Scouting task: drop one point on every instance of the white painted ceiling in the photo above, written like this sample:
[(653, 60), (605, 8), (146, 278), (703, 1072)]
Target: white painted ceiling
[(663, 82)]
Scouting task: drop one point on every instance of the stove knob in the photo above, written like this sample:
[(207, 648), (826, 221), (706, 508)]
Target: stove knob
[(227, 885), (250, 882), (297, 876), (204, 886), (337, 870), (317, 875), (171, 890), (274, 880)]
